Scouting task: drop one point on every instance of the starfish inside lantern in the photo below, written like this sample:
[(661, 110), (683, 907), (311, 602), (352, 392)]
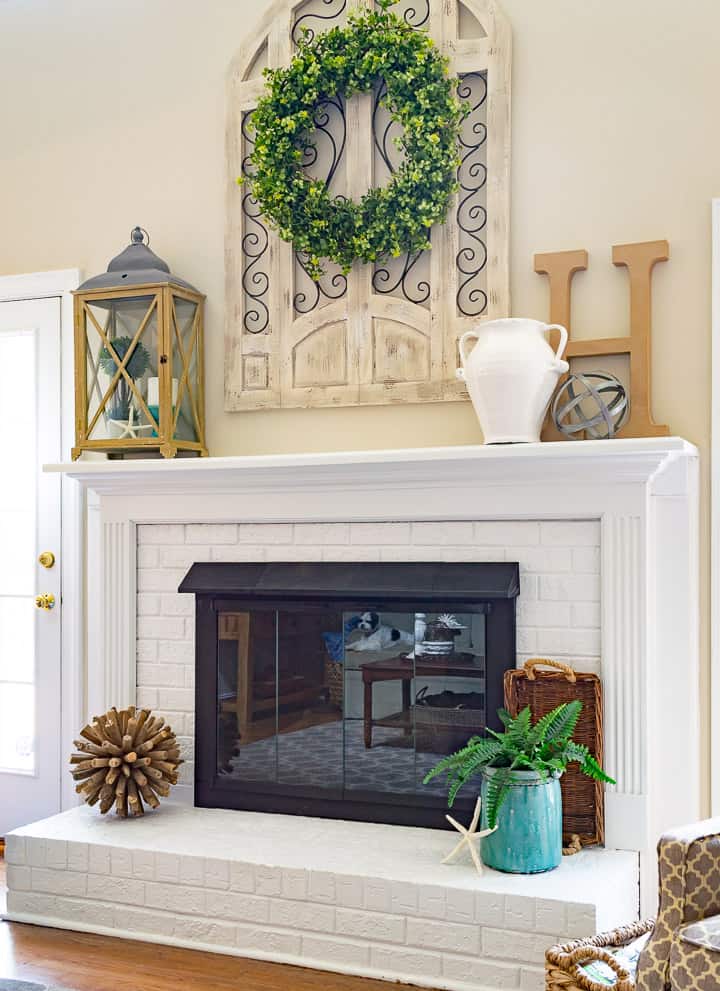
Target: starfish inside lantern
[(129, 428), (470, 837)]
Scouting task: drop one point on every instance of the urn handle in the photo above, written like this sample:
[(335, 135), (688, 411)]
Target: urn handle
[(563, 339), (460, 373)]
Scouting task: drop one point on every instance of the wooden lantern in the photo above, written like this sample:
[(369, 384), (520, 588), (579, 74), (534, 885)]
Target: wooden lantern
[(139, 359)]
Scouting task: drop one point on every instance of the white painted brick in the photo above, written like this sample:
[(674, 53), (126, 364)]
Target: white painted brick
[(377, 895), (143, 865), (353, 554), (27, 903), (233, 905), (526, 640), (167, 867), (268, 881), (404, 898), (15, 849), (412, 553), (431, 901), (437, 935), (161, 675), (509, 944), (148, 604), (379, 533), (161, 533), (189, 676), (263, 534), (320, 534), (36, 851), (551, 916), (489, 908), (570, 588), (159, 579), (143, 921), (321, 887), (239, 552), (205, 931), (568, 642), (459, 905), (570, 533), (78, 858), (374, 926), (405, 964), (177, 604), (486, 974), (211, 533), (160, 628), (56, 854), (180, 651), (509, 533), (217, 873), (289, 552), (177, 898), (146, 651), (334, 950), (128, 891), (242, 877), (294, 884), (176, 698), (89, 913), (58, 882), (182, 557), (548, 560), (121, 862), (528, 587), (476, 553), (519, 912), (349, 891), (586, 559), (581, 921), (146, 698), (444, 533), (19, 878), (98, 859), (532, 978), (271, 941), (302, 915), (147, 556), (543, 614), (586, 614)]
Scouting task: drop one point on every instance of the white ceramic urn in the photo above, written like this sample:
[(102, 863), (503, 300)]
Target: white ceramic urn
[(511, 374)]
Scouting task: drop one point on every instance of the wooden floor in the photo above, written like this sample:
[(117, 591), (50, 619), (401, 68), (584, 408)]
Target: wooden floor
[(85, 962)]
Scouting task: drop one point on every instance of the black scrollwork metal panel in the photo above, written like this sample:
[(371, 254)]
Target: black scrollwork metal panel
[(255, 279), (323, 157), (416, 13), (409, 275), (472, 217)]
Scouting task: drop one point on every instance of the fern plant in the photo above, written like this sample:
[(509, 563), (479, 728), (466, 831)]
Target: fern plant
[(546, 747)]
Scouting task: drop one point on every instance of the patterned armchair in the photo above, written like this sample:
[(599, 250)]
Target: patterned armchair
[(683, 951)]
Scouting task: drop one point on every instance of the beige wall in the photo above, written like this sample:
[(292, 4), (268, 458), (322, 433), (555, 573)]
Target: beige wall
[(112, 114)]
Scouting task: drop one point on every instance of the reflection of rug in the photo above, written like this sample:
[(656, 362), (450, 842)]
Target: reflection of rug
[(7, 985), (333, 755)]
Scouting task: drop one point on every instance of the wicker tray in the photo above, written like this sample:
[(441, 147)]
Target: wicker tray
[(563, 963), (583, 798)]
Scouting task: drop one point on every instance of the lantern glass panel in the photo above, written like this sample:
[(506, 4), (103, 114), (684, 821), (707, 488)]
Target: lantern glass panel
[(122, 350), (184, 333)]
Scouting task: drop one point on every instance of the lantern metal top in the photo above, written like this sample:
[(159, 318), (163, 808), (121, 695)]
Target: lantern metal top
[(137, 265)]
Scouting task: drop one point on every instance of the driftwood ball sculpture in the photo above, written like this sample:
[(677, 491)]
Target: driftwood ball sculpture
[(127, 757)]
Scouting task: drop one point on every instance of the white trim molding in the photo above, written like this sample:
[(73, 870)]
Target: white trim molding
[(715, 519), (48, 285), (644, 492)]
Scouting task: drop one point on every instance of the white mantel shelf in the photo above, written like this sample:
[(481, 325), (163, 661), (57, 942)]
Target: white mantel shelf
[(632, 461), (643, 493)]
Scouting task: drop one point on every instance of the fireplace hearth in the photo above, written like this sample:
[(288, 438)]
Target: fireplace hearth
[(331, 689)]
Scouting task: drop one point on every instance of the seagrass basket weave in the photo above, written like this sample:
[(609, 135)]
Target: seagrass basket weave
[(563, 963), (583, 798)]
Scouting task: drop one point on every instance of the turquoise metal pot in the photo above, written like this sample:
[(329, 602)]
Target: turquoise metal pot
[(528, 839)]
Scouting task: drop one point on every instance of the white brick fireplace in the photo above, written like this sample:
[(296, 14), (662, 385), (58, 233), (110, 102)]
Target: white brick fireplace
[(606, 537)]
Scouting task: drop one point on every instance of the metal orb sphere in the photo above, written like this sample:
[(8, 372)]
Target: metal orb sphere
[(592, 403)]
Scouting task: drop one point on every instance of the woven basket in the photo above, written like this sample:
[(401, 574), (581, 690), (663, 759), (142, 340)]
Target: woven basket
[(334, 681), (583, 798), (563, 963)]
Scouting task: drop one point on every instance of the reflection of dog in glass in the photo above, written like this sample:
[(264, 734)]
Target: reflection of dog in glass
[(379, 636)]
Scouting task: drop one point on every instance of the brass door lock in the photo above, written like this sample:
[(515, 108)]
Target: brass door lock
[(45, 601), (47, 559)]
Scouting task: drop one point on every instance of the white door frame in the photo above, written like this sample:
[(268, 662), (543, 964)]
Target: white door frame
[(43, 285), (715, 519)]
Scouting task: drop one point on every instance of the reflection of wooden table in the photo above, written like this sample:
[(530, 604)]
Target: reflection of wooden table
[(404, 669)]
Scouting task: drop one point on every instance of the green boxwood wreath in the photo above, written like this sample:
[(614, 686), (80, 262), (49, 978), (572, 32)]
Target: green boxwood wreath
[(420, 96)]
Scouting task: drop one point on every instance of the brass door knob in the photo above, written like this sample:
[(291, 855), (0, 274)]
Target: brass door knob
[(47, 559), (45, 601)]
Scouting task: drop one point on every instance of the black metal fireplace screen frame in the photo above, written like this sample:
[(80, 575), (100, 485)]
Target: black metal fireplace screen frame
[(449, 587)]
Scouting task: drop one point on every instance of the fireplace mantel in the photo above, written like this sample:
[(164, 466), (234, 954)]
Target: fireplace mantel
[(643, 492)]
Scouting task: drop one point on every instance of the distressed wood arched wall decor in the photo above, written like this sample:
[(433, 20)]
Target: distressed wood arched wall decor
[(385, 333)]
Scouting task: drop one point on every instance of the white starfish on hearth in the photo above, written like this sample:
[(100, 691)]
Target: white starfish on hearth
[(470, 836)]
